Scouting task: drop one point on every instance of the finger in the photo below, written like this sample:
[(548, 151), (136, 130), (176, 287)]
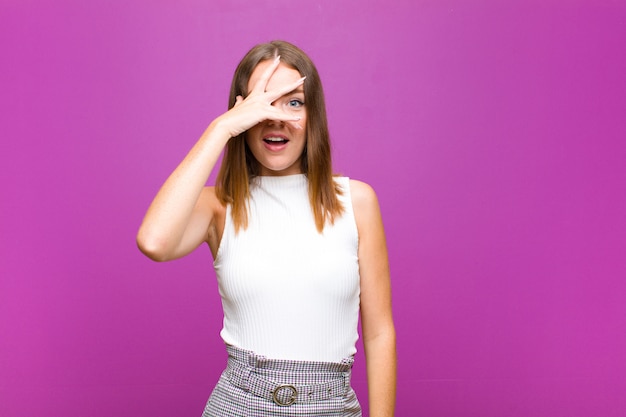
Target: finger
[(238, 101), (287, 88), (261, 84), (284, 117), (296, 125)]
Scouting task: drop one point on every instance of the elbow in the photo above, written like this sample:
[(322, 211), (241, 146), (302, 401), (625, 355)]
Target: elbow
[(384, 335), (153, 247)]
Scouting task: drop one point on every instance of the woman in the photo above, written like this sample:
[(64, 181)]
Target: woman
[(298, 252)]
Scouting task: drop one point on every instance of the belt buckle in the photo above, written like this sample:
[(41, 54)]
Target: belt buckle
[(292, 398)]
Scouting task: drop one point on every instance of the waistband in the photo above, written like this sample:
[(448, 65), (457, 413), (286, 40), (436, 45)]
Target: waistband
[(287, 382)]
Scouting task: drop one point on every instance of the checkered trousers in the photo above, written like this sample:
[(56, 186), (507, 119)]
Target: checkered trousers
[(254, 386)]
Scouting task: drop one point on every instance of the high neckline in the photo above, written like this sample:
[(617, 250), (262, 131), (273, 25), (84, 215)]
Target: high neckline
[(282, 181)]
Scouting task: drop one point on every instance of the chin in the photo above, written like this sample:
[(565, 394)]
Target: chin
[(276, 168)]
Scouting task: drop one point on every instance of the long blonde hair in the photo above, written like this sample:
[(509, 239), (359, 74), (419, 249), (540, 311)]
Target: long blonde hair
[(239, 166)]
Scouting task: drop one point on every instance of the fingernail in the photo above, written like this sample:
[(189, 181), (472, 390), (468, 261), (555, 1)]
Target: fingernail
[(277, 58)]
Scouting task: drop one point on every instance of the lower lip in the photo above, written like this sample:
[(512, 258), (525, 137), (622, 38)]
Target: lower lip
[(275, 147)]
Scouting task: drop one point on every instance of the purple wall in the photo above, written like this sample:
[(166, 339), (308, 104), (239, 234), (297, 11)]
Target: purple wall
[(493, 132)]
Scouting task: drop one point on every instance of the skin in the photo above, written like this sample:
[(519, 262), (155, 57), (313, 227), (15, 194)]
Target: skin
[(279, 159), (185, 213)]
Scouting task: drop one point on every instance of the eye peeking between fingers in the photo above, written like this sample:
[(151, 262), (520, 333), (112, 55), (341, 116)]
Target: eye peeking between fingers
[(295, 104)]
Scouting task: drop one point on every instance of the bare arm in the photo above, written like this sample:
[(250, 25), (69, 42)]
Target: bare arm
[(179, 217), (181, 214), (379, 337)]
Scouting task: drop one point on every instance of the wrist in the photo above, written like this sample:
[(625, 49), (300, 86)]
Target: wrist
[(218, 130)]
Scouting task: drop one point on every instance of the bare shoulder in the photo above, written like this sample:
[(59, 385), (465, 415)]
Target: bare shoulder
[(213, 207), (362, 193), (209, 197), (210, 204), (364, 202)]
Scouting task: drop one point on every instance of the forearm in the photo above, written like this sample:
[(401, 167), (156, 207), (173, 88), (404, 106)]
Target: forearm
[(381, 361), (168, 215)]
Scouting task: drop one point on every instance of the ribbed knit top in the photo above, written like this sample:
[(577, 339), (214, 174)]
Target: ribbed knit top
[(288, 291)]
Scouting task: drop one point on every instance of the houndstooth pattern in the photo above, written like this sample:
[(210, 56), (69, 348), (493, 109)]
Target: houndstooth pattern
[(245, 388)]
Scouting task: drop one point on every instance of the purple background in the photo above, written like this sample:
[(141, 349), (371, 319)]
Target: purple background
[(493, 132)]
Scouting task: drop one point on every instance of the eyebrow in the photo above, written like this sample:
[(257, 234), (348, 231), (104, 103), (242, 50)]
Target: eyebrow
[(299, 89)]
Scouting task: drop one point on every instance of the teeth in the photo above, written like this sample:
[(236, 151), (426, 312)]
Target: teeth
[(275, 139)]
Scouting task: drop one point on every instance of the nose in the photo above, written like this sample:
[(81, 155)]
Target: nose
[(277, 123)]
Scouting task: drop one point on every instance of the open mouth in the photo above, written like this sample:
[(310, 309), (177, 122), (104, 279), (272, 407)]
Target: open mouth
[(275, 141)]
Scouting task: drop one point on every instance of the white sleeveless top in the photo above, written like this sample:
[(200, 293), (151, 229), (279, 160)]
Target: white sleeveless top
[(289, 292)]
